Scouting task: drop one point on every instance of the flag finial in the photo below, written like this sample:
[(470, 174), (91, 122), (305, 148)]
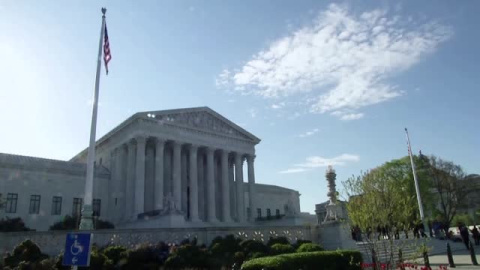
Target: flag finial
[(104, 10)]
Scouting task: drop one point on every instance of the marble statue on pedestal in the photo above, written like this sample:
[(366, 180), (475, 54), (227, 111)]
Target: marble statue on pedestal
[(334, 209)]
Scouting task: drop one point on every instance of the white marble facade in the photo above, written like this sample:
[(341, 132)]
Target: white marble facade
[(192, 161)]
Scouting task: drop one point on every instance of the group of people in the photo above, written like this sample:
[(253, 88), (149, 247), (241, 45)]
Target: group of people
[(464, 233), (437, 229)]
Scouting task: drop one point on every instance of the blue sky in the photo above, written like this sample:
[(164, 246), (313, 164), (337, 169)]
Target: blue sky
[(319, 83)]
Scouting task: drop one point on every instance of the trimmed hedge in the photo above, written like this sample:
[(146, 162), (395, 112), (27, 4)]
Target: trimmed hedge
[(278, 249), (326, 260), (309, 247)]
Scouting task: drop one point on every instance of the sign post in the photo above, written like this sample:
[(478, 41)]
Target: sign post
[(77, 250)]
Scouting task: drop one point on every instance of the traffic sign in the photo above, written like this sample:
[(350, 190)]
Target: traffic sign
[(77, 249)]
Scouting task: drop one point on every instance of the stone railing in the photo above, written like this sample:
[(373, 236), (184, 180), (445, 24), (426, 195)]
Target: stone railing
[(53, 242)]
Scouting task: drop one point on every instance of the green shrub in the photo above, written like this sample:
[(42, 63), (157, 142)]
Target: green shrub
[(59, 263), (103, 224), (72, 223), (250, 247), (277, 240), (327, 260), (115, 253), (68, 223), (300, 242), (188, 256), (223, 250), (142, 257), (12, 225), (239, 258), (26, 253), (46, 264), (277, 249), (98, 261), (309, 247), (255, 255)]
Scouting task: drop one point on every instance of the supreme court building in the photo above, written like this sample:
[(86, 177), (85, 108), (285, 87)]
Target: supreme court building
[(173, 168)]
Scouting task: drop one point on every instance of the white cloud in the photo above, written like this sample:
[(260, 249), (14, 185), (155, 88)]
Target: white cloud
[(351, 116), (309, 133), (278, 105), (252, 112), (343, 59), (318, 162), (294, 170)]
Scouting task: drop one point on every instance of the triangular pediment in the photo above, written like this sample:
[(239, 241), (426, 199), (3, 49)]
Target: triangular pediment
[(203, 118)]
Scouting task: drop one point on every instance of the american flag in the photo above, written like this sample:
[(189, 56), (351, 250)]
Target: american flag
[(408, 143), (107, 56)]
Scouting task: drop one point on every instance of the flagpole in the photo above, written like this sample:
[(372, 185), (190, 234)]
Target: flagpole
[(86, 222), (417, 187)]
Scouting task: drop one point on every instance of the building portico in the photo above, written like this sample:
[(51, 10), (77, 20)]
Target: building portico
[(192, 158)]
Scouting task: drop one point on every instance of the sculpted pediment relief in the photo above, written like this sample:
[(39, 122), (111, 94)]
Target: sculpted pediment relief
[(204, 120)]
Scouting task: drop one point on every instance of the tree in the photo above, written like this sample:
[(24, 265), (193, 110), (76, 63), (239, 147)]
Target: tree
[(450, 187), (385, 198)]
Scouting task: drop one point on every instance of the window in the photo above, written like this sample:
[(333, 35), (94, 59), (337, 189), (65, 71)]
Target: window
[(11, 206), (96, 207), (77, 207), (248, 212), (56, 205), (277, 212), (269, 214), (34, 204), (259, 212)]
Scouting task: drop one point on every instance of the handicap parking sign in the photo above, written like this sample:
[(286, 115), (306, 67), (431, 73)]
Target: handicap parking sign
[(77, 249)]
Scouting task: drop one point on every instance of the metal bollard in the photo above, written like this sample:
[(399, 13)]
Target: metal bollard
[(400, 259), (450, 257), (472, 254), (374, 259), (426, 260)]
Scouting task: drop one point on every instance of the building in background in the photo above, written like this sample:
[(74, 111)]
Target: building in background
[(172, 168)]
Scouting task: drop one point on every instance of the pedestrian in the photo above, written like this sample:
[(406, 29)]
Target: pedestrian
[(415, 232), (421, 230), (464, 234), (430, 228), (476, 235)]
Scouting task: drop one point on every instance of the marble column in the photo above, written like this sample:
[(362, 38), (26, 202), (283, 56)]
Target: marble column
[(233, 189), (140, 176), (159, 156), (225, 188), (176, 176), (210, 186), (123, 181), (112, 185), (193, 178), (118, 195), (239, 184), (251, 186), (130, 189)]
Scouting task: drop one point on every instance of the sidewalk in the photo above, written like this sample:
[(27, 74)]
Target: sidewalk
[(460, 257)]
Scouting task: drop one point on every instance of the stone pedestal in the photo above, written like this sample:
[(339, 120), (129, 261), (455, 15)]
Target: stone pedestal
[(336, 235)]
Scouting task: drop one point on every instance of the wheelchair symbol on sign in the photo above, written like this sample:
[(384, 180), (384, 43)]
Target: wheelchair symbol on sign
[(76, 248)]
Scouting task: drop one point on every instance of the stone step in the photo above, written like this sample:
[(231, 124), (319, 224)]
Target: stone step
[(409, 248)]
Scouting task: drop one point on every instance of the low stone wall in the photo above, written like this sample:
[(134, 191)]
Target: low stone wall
[(53, 242)]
